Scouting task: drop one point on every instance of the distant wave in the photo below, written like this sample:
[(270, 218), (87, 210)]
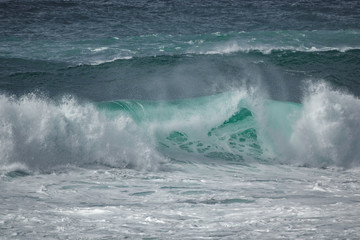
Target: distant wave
[(235, 47), (222, 49), (231, 48), (98, 51)]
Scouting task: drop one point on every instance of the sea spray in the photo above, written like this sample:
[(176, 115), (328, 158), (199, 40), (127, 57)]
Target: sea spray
[(43, 135), (329, 128)]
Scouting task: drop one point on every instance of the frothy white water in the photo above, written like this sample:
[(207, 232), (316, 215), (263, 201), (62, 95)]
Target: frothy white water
[(321, 132), (212, 202), (42, 135), (328, 130)]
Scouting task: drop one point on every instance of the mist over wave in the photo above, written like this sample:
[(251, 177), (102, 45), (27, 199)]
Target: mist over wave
[(168, 77), (326, 131)]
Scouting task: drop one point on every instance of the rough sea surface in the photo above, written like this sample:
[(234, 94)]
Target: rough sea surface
[(179, 119)]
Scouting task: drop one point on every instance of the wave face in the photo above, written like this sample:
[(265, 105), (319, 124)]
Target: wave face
[(233, 127)]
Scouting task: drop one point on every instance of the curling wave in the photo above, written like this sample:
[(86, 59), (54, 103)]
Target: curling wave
[(232, 127)]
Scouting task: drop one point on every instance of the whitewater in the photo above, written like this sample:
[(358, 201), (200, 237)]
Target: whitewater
[(179, 120)]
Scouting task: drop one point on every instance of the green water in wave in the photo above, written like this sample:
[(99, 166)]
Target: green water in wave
[(223, 126)]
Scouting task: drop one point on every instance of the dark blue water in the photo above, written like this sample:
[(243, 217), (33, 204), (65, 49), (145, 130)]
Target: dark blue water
[(105, 19)]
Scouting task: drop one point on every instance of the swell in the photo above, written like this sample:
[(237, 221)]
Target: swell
[(183, 75), (281, 57)]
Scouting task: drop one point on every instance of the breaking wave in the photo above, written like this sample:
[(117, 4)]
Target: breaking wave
[(232, 127)]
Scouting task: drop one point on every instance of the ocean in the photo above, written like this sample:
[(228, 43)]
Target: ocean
[(179, 119)]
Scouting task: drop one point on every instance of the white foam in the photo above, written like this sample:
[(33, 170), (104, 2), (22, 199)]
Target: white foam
[(328, 131), (100, 61), (100, 49)]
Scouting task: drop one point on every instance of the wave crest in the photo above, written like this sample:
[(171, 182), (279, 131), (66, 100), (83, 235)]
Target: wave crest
[(44, 135)]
